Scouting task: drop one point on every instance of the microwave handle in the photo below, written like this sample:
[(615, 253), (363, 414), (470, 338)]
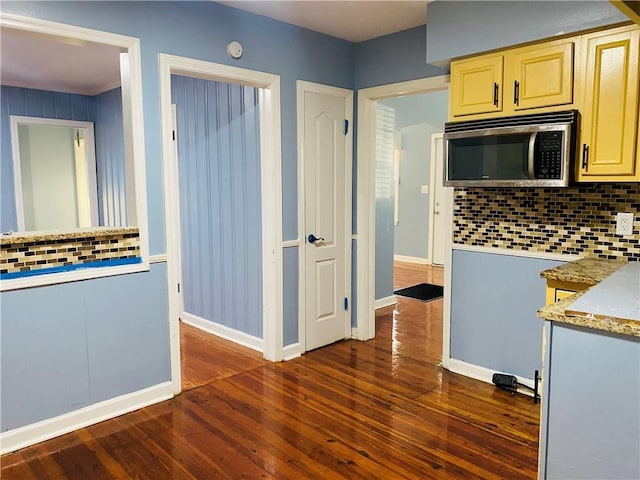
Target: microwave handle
[(531, 159)]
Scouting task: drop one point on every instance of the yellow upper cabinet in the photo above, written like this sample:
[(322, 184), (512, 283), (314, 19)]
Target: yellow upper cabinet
[(534, 77), (476, 85), (610, 145), (539, 76)]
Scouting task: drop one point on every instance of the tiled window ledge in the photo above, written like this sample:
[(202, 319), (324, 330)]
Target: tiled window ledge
[(39, 258)]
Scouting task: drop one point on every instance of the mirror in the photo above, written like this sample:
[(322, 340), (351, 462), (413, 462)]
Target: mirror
[(61, 87)]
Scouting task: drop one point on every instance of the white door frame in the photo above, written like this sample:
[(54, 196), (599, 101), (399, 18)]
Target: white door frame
[(271, 199), (432, 197), (366, 229), (302, 88)]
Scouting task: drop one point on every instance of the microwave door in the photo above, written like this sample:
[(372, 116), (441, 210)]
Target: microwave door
[(484, 158), (532, 156)]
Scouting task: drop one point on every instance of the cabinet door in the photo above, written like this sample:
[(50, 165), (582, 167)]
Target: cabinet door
[(476, 85), (610, 106), (540, 76)]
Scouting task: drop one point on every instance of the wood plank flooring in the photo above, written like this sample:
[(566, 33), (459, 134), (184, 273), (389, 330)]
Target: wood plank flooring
[(379, 409)]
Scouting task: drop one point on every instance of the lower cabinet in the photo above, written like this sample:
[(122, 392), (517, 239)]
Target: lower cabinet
[(590, 419), (557, 290)]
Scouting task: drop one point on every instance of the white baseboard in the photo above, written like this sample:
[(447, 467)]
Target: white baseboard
[(385, 302), (227, 333), (485, 374), (291, 351), (21, 437), (405, 258)]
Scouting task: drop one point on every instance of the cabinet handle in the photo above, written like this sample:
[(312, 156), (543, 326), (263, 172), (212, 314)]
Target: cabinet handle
[(516, 92), (495, 94), (585, 156)]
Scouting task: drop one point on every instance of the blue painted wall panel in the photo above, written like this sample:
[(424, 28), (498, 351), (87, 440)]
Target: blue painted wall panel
[(219, 161), (110, 163), (70, 345), (593, 423), (127, 352), (494, 300), (393, 58), (290, 295), (44, 355)]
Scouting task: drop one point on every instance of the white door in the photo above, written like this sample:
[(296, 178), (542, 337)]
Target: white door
[(327, 196), (442, 201)]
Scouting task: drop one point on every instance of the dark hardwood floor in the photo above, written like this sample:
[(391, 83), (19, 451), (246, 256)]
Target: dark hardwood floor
[(379, 409)]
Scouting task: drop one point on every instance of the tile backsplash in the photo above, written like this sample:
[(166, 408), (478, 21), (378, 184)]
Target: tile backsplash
[(42, 253), (577, 220)]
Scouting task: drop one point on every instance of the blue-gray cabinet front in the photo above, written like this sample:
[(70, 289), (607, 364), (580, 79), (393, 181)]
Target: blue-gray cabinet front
[(590, 425)]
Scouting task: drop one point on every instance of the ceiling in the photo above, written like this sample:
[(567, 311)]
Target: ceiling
[(45, 62), (355, 20)]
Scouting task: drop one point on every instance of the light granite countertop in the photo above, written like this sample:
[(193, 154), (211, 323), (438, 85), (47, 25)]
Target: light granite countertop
[(589, 271), (53, 235), (612, 305)]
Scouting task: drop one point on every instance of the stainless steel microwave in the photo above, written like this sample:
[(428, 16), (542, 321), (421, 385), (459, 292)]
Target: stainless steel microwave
[(520, 151)]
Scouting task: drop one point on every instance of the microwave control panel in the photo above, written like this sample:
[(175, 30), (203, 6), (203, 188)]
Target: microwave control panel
[(548, 155)]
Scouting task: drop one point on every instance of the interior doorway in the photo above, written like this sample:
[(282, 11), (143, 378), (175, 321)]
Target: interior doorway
[(267, 90), (366, 212)]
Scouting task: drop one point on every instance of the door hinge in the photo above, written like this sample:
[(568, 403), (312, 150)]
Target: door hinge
[(173, 135), (178, 288), (346, 303), (346, 126)]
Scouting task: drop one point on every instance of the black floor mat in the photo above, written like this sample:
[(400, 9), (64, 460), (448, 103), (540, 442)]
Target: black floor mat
[(423, 291)]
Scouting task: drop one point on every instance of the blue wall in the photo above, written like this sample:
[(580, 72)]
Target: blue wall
[(219, 161), (110, 164), (457, 28), (71, 345), (493, 312), (393, 58), (198, 30)]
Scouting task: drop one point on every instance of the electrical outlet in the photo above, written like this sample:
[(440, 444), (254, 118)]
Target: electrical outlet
[(624, 224)]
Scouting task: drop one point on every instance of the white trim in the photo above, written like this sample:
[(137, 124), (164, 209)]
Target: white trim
[(301, 88), (159, 258), (291, 351), (21, 437), (236, 336), (271, 200), (448, 264), (365, 261), (133, 134), (385, 302), (484, 374), (432, 196), (290, 243), (518, 253), (354, 237), (408, 259)]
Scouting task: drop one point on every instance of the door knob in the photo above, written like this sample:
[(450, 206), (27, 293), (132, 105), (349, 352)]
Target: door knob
[(313, 239)]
